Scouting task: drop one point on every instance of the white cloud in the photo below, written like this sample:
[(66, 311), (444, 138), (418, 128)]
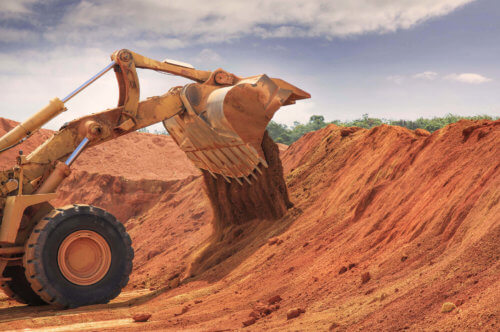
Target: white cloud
[(426, 75), (176, 24), (13, 8), (470, 78), (208, 56), (9, 35), (397, 79), (300, 112)]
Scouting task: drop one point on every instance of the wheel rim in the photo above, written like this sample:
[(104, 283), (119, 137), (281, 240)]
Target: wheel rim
[(84, 257)]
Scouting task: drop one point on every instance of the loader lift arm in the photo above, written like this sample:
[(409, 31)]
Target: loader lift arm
[(218, 121)]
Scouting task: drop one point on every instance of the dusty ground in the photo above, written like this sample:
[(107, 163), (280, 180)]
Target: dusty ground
[(388, 224)]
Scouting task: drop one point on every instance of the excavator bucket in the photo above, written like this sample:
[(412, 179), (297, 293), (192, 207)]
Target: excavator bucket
[(223, 132)]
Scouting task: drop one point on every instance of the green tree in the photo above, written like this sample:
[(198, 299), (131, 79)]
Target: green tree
[(283, 134)]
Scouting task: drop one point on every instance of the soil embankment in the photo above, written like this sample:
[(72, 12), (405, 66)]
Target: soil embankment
[(387, 225)]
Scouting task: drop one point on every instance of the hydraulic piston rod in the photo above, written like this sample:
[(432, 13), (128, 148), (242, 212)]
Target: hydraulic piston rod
[(90, 81), (61, 171), (77, 151), (36, 121)]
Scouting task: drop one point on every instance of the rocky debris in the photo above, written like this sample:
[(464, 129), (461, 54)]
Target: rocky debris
[(333, 326), (343, 269), (152, 254), (261, 309), (365, 277), (371, 290), (141, 318), (293, 313), (270, 257), (379, 298), (351, 266), (183, 311), (274, 240), (174, 283), (448, 307), (274, 299), (422, 132), (459, 302), (404, 258), (249, 322)]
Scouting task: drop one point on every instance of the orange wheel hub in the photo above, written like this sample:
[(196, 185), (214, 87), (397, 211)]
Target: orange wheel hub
[(84, 257)]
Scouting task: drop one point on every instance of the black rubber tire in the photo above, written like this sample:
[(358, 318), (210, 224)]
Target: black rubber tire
[(18, 288), (41, 250)]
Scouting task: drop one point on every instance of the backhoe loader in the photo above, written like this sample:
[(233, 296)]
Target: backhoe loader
[(79, 254)]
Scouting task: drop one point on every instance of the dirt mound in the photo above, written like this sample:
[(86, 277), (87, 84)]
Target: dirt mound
[(135, 156), (138, 156), (388, 225)]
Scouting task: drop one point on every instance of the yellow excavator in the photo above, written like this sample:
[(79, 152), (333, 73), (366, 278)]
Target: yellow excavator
[(80, 254)]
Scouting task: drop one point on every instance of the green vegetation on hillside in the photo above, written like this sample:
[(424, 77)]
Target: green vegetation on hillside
[(287, 135)]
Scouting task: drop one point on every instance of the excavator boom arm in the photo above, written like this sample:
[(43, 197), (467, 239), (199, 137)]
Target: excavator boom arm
[(217, 121)]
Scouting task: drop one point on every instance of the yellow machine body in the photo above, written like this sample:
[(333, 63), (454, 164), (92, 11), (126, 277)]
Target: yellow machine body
[(218, 121)]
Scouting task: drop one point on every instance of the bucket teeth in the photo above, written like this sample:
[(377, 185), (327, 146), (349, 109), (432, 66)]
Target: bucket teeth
[(258, 169), (252, 156), (213, 175), (263, 162), (204, 160), (239, 181), (247, 179), (227, 163), (226, 178)]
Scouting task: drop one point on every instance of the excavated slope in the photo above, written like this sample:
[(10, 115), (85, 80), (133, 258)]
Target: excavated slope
[(387, 225)]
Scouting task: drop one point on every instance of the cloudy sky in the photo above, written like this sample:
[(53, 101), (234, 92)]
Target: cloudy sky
[(398, 59)]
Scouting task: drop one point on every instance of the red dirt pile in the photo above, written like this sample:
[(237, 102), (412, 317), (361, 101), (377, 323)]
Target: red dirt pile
[(389, 228)]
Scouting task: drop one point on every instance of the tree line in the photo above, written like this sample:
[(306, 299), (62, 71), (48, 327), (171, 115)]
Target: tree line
[(287, 135), (281, 133)]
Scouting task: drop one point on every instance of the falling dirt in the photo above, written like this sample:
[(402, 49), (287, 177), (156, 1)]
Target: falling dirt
[(387, 226), (239, 209)]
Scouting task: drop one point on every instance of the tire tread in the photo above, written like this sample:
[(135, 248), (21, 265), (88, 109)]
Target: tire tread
[(39, 236)]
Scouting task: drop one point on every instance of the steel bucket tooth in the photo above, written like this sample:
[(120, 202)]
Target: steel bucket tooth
[(223, 132)]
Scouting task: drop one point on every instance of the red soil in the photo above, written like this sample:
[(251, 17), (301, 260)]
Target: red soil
[(135, 156), (387, 225), (8, 158)]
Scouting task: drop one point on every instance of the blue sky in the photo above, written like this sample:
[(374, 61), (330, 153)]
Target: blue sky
[(399, 59)]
